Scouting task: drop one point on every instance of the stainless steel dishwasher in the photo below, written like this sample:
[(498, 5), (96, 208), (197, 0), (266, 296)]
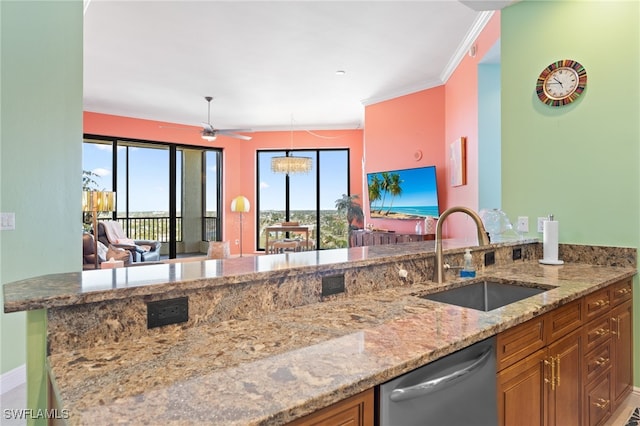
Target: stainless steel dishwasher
[(456, 390)]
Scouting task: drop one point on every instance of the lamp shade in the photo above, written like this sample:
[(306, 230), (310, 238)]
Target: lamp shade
[(240, 204), (98, 201)]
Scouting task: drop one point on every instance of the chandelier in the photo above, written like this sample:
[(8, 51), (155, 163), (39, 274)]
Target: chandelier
[(289, 164)]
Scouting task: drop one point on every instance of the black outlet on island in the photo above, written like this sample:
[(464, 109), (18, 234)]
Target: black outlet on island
[(332, 284), (489, 258), (165, 312)]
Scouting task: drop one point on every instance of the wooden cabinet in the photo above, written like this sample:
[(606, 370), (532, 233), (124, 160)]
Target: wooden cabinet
[(608, 361), (544, 388), (571, 366), (622, 351), (565, 382), (521, 393), (354, 411), (597, 397)]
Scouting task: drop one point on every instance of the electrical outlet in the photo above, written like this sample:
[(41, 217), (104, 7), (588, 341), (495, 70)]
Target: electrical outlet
[(489, 258), (541, 223), (332, 284), (523, 224), (516, 253), (165, 312), (7, 221)]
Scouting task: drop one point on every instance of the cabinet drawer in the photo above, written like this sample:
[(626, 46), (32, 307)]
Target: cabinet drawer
[(520, 341), (563, 320), (621, 292), (598, 302), (597, 400), (597, 361), (597, 332)]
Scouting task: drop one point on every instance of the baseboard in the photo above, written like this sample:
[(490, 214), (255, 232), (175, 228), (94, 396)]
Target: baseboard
[(635, 390), (13, 378)]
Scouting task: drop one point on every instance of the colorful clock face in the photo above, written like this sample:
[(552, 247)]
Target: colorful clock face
[(561, 82)]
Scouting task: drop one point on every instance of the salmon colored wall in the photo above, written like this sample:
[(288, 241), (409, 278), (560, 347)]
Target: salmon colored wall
[(239, 158), (430, 120), (395, 130), (461, 106)]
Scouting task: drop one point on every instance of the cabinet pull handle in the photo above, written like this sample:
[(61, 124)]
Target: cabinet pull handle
[(552, 380), (601, 403), (616, 321), (601, 331), (600, 303), (623, 291), (602, 360), (558, 371)]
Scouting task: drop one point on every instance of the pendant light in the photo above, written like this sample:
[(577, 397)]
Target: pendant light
[(289, 164)]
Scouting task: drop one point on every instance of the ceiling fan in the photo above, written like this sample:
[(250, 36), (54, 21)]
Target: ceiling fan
[(210, 133)]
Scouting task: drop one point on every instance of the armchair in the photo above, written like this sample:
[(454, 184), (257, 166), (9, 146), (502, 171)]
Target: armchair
[(89, 255), (110, 233)]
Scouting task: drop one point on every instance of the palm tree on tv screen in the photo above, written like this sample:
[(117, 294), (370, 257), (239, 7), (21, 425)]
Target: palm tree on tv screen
[(375, 192), (394, 188)]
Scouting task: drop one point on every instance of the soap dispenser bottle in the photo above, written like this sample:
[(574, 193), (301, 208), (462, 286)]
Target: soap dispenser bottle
[(467, 270)]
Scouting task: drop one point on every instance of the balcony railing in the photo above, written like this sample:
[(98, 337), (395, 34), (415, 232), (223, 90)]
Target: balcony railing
[(211, 224), (156, 228), (153, 228)]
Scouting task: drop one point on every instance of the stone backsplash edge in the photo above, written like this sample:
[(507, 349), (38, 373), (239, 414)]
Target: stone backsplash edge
[(91, 324)]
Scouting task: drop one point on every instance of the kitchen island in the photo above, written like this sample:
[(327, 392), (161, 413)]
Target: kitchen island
[(262, 345)]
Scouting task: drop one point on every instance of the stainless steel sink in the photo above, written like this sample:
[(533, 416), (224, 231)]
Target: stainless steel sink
[(486, 295)]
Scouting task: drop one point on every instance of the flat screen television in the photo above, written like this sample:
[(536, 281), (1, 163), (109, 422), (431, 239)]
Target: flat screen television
[(403, 194)]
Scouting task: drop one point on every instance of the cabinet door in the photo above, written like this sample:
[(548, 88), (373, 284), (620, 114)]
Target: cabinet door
[(564, 320), (522, 392), (621, 291), (597, 303), (621, 379), (520, 341), (565, 390), (597, 400), (354, 411)]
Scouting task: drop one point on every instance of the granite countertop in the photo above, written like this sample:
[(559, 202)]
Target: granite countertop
[(279, 366), (77, 288)]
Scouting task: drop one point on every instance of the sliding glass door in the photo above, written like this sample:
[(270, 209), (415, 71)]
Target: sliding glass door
[(164, 192), (306, 198)]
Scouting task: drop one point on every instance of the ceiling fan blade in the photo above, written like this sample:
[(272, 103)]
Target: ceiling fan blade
[(236, 130), (231, 133)]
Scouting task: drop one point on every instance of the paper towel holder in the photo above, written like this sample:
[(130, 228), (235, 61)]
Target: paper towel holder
[(554, 241)]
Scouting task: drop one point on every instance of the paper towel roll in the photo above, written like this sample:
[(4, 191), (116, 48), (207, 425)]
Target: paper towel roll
[(550, 240)]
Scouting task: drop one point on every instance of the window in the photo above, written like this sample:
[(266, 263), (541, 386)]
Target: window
[(164, 192), (212, 199), (305, 198)]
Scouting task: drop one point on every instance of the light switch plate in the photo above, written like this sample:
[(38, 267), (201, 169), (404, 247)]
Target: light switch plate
[(7, 221)]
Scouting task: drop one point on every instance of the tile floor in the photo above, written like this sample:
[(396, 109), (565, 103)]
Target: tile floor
[(623, 412), (14, 399)]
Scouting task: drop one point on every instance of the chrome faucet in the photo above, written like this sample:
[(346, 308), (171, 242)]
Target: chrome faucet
[(483, 240)]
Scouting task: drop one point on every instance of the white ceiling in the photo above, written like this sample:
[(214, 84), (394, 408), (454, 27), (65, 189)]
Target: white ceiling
[(265, 62)]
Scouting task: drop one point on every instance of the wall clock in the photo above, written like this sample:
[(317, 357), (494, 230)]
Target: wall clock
[(561, 82)]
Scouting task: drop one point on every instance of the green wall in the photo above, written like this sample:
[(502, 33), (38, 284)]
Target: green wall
[(581, 161), (40, 159)]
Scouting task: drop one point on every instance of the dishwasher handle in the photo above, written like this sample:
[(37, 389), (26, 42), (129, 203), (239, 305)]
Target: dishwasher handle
[(425, 388)]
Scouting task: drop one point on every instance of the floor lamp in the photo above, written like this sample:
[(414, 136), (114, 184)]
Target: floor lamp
[(241, 205), (94, 202)]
